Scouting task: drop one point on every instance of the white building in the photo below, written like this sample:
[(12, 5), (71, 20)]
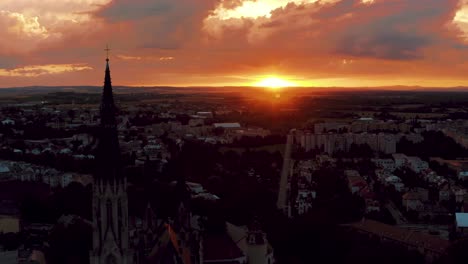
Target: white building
[(385, 164), (8, 122), (461, 220), (400, 160), (304, 201), (253, 243), (333, 142), (416, 164)]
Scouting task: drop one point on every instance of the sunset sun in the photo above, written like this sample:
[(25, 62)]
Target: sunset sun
[(274, 83)]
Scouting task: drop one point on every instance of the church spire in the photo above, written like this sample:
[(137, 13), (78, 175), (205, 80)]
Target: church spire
[(108, 150), (110, 201), (107, 103)]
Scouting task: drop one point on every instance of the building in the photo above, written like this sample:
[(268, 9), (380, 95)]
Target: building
[(356, 183), (9, 217), (400, 160), (385, 164), (431, 247), (304, 201), (417, 165), (110, 202), (333, 142), (205, 114), (463, 175), (252, 243), (252, 132), (227, 125), (119, 238), (461, 220), (412, 201)]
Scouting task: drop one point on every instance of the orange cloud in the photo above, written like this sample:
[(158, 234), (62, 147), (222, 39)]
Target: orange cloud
[(187, 42), (38, 70), (147, 58), (126, 57)]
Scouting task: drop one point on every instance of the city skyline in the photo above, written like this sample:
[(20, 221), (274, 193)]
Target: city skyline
[(338, 43)]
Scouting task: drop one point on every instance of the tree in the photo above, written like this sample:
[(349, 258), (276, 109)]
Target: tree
[(456, 253), (71, 113)]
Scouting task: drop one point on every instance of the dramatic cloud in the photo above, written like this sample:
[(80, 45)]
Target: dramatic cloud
[(187, 42), (38, 70)]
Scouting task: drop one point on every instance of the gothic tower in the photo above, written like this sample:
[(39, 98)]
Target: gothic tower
[(110, 203)]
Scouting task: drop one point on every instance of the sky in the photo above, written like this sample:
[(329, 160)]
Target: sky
[(338, 43)]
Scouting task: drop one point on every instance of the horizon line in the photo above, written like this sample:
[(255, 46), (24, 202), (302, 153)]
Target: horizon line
[(385, 87)]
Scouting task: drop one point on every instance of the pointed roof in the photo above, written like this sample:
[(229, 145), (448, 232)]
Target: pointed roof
[(107, 109), (108, 150)]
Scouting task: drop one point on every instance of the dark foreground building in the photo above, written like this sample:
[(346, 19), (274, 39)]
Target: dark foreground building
[(110, 202)]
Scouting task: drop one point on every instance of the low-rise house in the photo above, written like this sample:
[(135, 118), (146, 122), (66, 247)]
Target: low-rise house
[(445, 193), (416, 164), (412, 202), (252, 242), (304, 201), (385, 164), (8, 122), (395, 182), (400, 160), (355, 182), (461, 221), (459, 194), (463, 175)]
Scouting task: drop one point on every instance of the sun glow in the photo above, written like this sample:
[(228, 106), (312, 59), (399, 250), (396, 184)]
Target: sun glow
[(274, 83)]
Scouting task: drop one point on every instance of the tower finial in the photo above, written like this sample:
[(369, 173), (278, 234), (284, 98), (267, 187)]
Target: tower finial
[(107, 51)]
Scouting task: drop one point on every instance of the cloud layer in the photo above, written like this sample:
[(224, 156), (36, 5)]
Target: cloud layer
[(232, 42)]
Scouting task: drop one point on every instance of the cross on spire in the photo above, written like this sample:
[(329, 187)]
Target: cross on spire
[(107, 49)]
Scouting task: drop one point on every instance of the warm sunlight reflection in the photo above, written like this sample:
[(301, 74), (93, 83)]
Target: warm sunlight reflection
[(274, 83)]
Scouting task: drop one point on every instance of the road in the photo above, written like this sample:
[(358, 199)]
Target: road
[(397, 215), (283, 185)]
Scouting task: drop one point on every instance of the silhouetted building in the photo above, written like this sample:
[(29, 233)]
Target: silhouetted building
[(110, 203)]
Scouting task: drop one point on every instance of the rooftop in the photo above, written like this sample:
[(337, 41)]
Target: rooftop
[(462, 219), (409, 237), (227, 125)]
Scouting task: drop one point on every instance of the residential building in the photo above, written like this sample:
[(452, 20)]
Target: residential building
[(461, 221), (412, 202), (416, 164), (400, 160)]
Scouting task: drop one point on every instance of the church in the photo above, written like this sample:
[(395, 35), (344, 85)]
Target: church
[(119, 238), (116, 239)]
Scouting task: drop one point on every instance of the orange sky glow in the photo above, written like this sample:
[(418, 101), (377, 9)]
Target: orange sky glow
[(310, 43)]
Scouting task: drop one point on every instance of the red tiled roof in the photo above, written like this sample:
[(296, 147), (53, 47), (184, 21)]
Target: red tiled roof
[(220, 247), (401, 235), (411, 196)]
